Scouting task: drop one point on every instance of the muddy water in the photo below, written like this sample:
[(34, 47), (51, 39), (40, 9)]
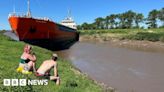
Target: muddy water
[(127, 70)]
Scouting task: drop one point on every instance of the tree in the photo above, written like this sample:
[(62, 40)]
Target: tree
[(116, 23), (130, 15), (138, 18), (152, 18), (122, 19), (127, 19), (85, 26), (107, 22), (79, 27), (161, 16), (112, 18), (99, 23), (92, 26)]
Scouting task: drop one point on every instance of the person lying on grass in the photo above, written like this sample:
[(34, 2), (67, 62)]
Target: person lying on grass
[(27, 61), (44, 70)]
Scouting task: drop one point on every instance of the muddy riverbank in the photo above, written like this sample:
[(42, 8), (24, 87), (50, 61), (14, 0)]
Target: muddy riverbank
[(127, 66), (133, 44)]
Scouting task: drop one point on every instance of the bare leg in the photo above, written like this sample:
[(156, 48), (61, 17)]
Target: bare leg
[(34, 69), (55, 78), (47, 73), (31, 65)]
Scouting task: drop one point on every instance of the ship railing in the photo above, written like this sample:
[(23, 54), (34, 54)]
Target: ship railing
[(25, 16), (17, 15), (68, 22), (43, 18)]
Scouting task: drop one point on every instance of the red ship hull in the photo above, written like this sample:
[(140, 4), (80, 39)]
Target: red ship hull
[(44, 33)]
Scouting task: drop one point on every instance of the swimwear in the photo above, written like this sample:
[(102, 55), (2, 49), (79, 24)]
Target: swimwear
[(40, 75), (24, 60), (23, 63)]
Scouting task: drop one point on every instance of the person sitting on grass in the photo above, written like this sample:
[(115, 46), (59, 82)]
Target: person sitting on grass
[(27, 61), (46, 66)]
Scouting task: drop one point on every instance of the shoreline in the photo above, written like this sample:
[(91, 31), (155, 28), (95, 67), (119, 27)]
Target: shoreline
[(105, 88), (143, 45)]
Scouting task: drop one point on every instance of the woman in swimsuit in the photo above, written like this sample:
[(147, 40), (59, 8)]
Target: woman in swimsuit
[(27, 60)]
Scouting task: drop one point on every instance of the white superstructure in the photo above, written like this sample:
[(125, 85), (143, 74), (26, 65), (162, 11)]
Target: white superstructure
[(69, 22)]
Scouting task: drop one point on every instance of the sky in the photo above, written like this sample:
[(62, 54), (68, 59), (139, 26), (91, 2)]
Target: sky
[(82, 10)]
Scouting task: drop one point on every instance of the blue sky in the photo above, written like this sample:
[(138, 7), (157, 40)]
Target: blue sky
[(82, 10)]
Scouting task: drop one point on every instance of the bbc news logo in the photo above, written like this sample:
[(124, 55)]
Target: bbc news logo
[(23, 82)]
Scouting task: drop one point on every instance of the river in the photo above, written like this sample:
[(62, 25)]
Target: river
[(126, 69)]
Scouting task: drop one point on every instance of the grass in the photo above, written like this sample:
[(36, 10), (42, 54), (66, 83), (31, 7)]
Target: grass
[(71, 80), (131, 34)]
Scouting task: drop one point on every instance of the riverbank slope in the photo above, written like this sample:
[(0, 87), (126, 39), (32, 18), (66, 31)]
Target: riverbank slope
[(71, 79), (132, 38)]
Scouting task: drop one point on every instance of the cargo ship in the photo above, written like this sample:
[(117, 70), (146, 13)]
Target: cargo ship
[(42, 31)]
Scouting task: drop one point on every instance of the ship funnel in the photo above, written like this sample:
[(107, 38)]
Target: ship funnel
[(28, 12)]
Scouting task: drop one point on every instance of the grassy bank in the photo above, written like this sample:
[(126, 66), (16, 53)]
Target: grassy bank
[(131, 34), (71, 80)]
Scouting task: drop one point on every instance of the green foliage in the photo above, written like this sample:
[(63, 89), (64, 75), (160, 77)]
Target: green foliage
[(161, 16), (126, 20), (146, 36), (70, 80), (99, 23), (132, 34), (138, 19), (92, 32), (152, 18)]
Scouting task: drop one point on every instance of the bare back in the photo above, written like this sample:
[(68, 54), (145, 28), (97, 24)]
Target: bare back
[(46, 66)]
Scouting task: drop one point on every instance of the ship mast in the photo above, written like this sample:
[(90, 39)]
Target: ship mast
[(28, 12), (14, 9), (69, 14)]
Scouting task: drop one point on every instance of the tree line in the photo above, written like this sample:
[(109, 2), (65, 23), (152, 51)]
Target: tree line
[(126, 20)]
